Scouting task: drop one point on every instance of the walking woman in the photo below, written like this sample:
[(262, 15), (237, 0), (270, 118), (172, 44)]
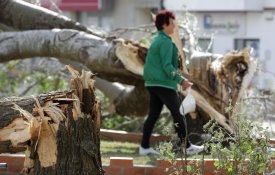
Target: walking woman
[(162, 77)]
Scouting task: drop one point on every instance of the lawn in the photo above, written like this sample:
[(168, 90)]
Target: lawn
[(124, 149), (127, 149)]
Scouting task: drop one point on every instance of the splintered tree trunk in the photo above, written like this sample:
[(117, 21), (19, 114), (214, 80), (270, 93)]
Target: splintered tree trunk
[(77, 148), (59, 130)]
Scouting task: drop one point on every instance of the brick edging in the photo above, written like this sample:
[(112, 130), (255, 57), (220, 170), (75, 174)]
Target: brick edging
[(118, 166)]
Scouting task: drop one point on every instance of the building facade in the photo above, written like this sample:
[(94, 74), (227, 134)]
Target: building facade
[(236, 24), (106, 14)]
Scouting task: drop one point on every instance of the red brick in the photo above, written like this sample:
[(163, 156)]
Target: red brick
[(209, 163), (15, 163), (121, 161), (7, 158), (272, 141), (161, 171), (209, 171), (118, 166), (151, 171), (14, 168), (272, 168), (112, 171), (163, 163), (3, 170), (134, 171)]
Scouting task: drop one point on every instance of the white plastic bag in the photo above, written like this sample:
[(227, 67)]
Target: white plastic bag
[(188, 104)]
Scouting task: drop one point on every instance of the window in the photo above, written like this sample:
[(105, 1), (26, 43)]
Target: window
[(252, 43), (205, 44)]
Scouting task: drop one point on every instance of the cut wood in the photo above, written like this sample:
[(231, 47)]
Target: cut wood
[(59, 131)]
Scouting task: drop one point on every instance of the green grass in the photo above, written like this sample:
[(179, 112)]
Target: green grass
[(124, 149), (127, 149)]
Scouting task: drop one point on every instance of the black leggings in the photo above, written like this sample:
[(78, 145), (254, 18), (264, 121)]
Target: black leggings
[(158, 97)]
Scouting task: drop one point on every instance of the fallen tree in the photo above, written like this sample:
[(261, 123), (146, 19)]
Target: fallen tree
[(58, 130), (219, 80)]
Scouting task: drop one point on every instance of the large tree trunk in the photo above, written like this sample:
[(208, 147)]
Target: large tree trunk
[(218, 80), (106, 58), (59, 130)]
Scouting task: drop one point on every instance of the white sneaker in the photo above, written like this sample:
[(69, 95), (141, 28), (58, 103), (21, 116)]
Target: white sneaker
[(146, 151), (194, 149), (270, 150)]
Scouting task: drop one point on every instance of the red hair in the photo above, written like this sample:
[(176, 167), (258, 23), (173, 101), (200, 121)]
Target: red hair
[(163, 18)]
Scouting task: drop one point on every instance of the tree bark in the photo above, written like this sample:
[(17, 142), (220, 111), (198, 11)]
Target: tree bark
[(114, 60), (106, 58), (59, 130), (219, 80), (29, 16), (95, 53)]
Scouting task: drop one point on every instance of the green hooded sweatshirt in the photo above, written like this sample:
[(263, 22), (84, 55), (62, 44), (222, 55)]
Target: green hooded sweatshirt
[(161, 66)]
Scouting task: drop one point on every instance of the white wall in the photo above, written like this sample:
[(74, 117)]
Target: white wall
[(260, 26), (222, 23), (123, 14), (175, 5), (269, 3), (223, 44), (210, 5), (131, 13)]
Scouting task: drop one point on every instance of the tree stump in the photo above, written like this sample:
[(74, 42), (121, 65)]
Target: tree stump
[(59, 131)]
